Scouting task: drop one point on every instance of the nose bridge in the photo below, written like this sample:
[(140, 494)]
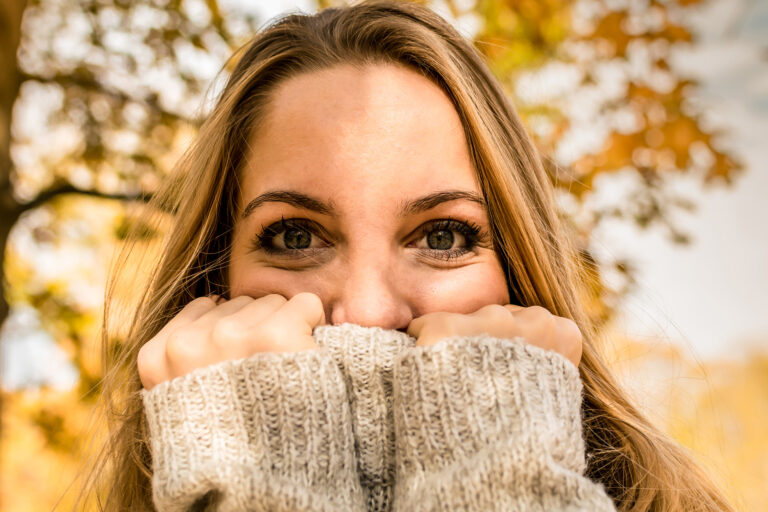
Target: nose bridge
[(370, 293)]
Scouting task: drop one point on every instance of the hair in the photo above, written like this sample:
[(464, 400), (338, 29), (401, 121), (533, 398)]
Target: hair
[(640, 468)]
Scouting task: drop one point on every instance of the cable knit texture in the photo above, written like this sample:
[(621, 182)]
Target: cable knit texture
[(370, 422)]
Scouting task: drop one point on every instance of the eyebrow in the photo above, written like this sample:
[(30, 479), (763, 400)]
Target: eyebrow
[(412, 207)]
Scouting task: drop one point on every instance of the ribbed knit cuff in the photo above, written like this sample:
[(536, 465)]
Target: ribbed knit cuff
[(489, 424), (366, 356), (464, 395), (283, 419)]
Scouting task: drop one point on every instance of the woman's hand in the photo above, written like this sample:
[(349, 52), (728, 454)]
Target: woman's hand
[(209, 330), (535, 324)]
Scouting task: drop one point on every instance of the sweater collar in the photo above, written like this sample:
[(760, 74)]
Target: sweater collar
[(347, 335)]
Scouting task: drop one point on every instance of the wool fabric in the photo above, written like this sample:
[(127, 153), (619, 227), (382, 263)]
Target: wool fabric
[(370, 422)]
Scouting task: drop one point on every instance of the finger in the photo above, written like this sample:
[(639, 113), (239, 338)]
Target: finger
[(298, 316), (259, 310), (188, 349), (514, 307), (304, 306), (151, 363), (569, 329), (189, 313), (571, 338), (492, 312), (223, 309), (432, 327), (415, 326)]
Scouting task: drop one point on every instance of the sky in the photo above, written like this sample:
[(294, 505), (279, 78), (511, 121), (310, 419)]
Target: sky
[(708, 297), (712, 296)]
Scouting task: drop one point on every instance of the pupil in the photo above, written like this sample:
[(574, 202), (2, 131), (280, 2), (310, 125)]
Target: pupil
[(296, 239), (440, 239)]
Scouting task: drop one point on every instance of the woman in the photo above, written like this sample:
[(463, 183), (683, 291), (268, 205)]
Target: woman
[(367, 302)]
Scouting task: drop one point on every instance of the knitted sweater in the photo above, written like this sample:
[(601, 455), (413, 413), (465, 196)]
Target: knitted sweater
[(368, 422)]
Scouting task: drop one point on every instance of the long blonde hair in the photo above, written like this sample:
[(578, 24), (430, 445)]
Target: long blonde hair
[(640, 467)]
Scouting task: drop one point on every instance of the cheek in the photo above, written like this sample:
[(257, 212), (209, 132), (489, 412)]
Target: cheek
[(255, 281), (463, 290), (246, 276)]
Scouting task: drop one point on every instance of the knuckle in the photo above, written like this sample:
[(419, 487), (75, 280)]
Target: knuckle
[(275, 327), (542, 317), (146, 359), (571, 329), (271, 302), (497, 311), (446, 321), (178, 348), (307, 298), (241, 299), (538, 311), (435, 319), (441, 316), (225, 330), (310, 306), (274, 297), (200, 302), (269, 334)]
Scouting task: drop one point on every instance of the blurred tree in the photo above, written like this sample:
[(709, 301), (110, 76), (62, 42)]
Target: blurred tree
[(105, 93), (10, 32), (99, 97), (97, 100), (603, 68)]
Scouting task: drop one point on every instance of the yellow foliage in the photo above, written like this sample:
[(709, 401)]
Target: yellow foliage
[(717, 409), (45, 442)]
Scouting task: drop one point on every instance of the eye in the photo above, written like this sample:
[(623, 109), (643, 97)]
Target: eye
[(447, 239), (443, 239), (289, 237)]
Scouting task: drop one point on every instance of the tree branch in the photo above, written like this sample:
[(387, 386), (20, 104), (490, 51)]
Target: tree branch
[(50, 193), (89, 82)]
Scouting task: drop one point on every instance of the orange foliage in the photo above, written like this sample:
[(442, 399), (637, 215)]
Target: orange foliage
[(44, 448), (717, 409)]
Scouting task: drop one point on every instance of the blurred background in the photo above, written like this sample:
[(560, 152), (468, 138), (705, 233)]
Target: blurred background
[(652, 116)]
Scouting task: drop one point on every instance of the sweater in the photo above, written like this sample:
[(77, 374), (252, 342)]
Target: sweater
[(370, 422)]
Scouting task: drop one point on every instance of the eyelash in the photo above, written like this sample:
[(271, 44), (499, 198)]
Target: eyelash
[(265, 240), (469, 230)]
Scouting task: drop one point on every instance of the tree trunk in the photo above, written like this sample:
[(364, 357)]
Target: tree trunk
[(10, 31)]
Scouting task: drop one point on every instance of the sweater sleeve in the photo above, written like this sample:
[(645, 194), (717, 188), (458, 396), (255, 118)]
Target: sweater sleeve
[(271, 432), (485, 423)]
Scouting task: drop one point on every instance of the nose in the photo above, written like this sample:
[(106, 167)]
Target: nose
[(369, 294)]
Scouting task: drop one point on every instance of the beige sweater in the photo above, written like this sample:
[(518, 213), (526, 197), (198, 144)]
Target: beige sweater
[(369, 422)]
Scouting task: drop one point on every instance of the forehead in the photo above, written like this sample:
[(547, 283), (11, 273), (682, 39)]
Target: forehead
[(373, 132)]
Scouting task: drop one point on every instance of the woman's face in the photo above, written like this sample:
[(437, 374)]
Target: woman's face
[(358, 187)]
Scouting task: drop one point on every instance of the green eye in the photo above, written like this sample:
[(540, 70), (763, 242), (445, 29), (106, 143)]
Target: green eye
[(441, 235), (297, 238), (440, 240)]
